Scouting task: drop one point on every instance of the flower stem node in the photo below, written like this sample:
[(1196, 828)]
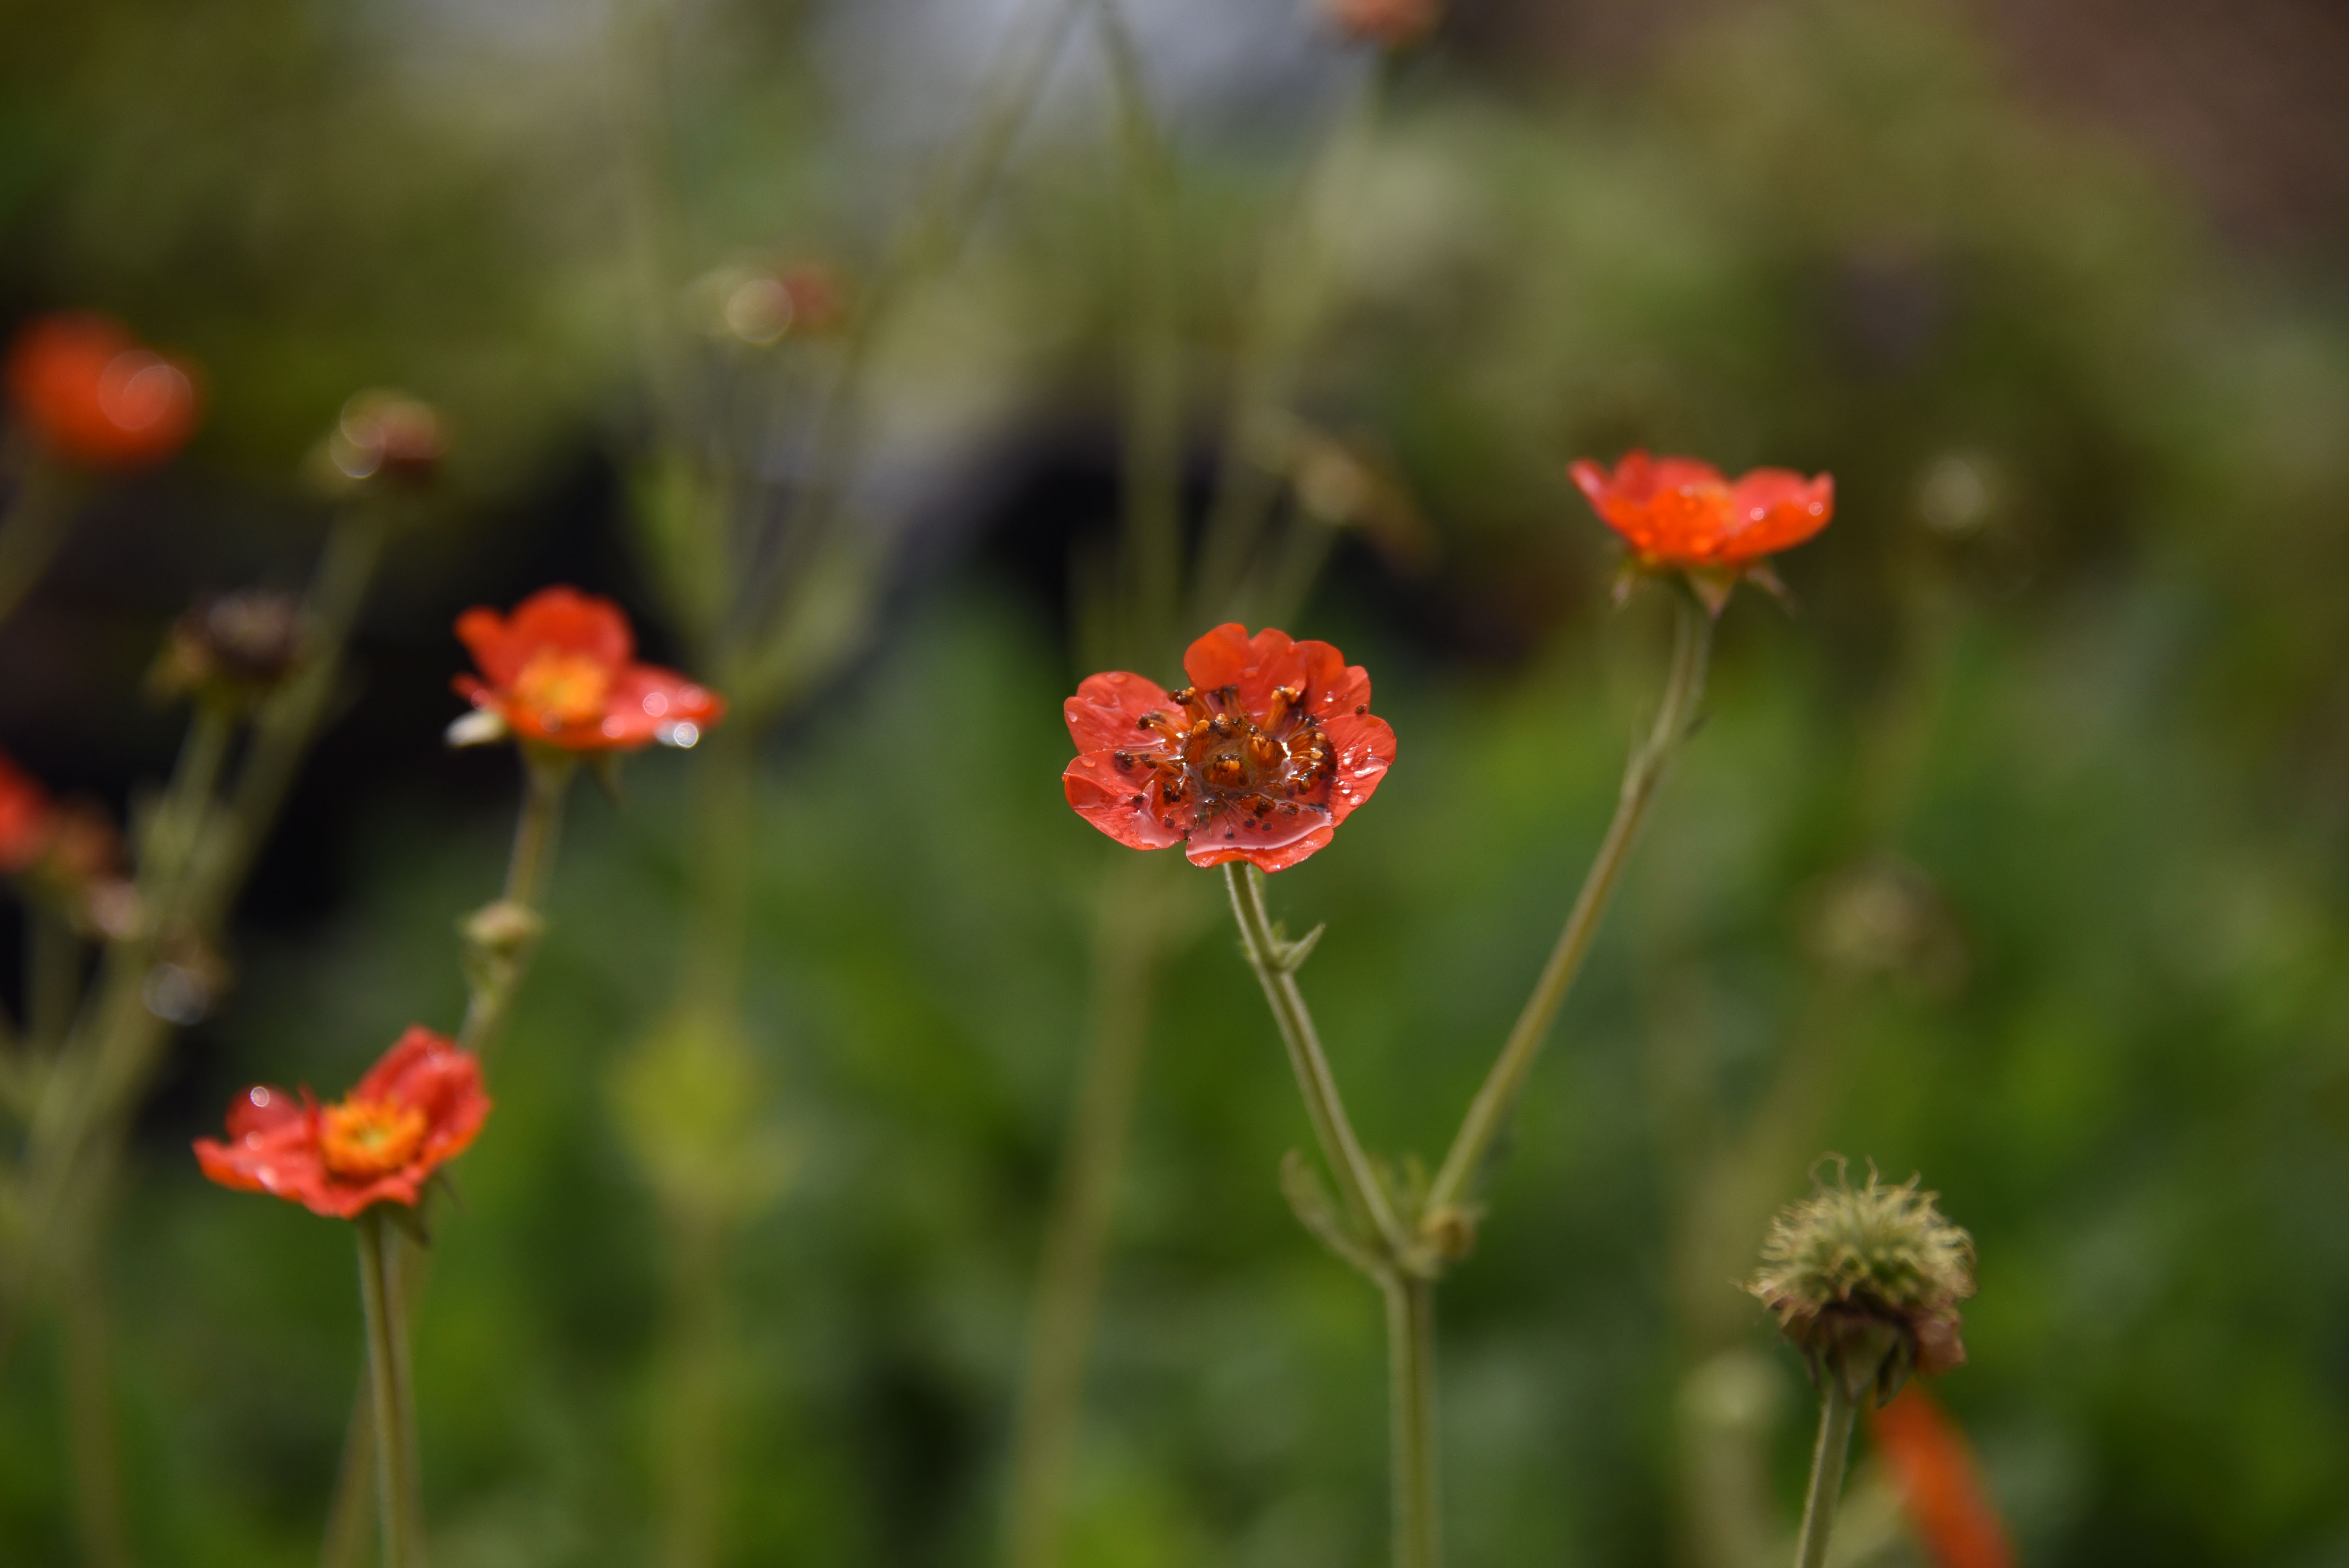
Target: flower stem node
[(1450, 1232), (504, 930), (1865, 1281)]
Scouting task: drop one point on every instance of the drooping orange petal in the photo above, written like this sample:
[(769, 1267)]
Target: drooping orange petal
[(1940, 1490)]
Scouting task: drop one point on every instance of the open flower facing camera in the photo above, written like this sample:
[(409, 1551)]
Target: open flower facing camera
[(1270, 746)]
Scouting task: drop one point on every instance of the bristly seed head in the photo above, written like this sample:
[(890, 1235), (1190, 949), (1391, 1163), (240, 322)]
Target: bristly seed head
[(1866, 1282)]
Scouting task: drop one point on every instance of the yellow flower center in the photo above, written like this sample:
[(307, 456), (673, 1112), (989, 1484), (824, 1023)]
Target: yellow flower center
[(564, 687), (361, 1140)]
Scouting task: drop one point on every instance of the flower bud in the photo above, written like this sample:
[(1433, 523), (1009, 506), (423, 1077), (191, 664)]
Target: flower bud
[(386, 433), (235, 646), (1866, 1282)]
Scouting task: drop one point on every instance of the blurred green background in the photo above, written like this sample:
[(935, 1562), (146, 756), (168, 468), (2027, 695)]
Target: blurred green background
[(2013, 855)]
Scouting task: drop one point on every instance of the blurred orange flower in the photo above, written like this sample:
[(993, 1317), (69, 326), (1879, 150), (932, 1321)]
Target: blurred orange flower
[(1259, 758), (561, 671), (26, 818), (415, 1110), (96, 396), (1680, 514), (1939, 1488)]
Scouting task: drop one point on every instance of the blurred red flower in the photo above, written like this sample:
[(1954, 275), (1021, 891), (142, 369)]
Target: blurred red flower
[(415, 1110), (1939, 1489), (1680, 514), (97, 397), (26, 818), (1259, 758), (1391, 22), (561, 671)]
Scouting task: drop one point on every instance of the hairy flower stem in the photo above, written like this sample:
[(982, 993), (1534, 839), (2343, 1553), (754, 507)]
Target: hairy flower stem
[(496, 976), (500, 955), (1358, 1184), (1410, 1395), (1836, 1412), (382, 1295), (1126, 955), (1497, 1098)]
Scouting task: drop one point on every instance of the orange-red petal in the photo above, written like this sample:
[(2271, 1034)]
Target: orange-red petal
[(274, 1141), (560, 617), (1120, 805), (1681, 513), (1366, 749), (1940, 1490), (26, 818), (1107, 711)]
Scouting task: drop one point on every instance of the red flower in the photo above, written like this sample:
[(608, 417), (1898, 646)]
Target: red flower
[(415, 1110), (1258, 759), (96, 396), (1389, 23), (1939, 1487), (1680, 514), (561, 672), (27, 819)]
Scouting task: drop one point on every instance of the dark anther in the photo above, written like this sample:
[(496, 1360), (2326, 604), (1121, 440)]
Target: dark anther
[(1148, 720), (1139, 801), (1361, 709), (1123, 759)]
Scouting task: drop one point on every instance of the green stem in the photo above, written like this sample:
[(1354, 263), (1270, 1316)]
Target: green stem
[(496, 973), (52, 975), (1358, 1183), (1836, 1413), (34, 526), (387, 1384), (1489, 1112), (1126, 951), (497, 965), (1410, 1380)]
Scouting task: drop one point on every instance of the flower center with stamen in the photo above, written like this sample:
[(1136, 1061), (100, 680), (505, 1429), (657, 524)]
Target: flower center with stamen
[(361, 1140), (1267, 774), (562, 687)]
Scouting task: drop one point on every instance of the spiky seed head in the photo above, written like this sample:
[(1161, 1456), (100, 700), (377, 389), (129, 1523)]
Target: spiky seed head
[(1865, 1281)]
